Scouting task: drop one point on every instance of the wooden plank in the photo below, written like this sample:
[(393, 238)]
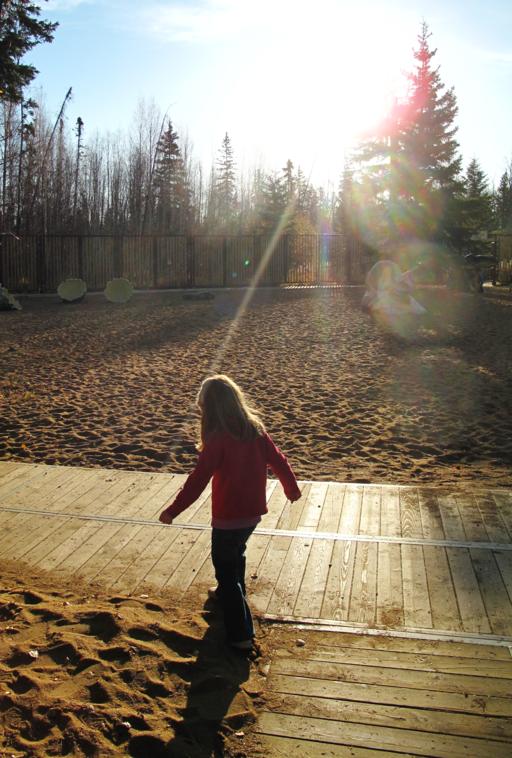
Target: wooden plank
[(286, 589), (419, 719), (410, 515), (494, 523), (383, 738), (310, 515), (503, 501), (269, 571), (276, 502), (152, 489), (363, 594), (370, 674), (183, 575), (471, 606), (411, 644), (433, 700), (390, 512), (417, 611), (494, 594), (199, 512), (292, 512), (451, 518), (390, 602), (11, 472), (38, 543), (51, 551), (20, 536), (504, 561), (447, 664), (441, 592), (25, 489), (472, 521), (430, 514), (339, 581), (196, 556), (369, 522), (390, 599), (177, 546), (118, 536), (9, 467), (351, 510), (332, 508), (276, 746), (138, 557), (312, 589), (256, 549)]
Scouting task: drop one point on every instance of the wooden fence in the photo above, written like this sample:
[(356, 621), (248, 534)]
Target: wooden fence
[(504, 257), (40, 263)]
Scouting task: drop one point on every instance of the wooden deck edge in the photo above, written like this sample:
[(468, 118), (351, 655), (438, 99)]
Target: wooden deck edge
[(331, 625), (458, 486)]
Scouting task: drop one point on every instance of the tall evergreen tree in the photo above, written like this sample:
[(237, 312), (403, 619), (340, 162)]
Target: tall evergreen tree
[(476, 209), (503, 202), (21, 29), (171, 189), (274, 202), (432, 163), (225, 185), (412, 162)]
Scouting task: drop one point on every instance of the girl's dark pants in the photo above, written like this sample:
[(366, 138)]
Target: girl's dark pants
[(228, 558)]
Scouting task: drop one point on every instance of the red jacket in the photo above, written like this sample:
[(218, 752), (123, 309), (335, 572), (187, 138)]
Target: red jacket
[(239, 470)]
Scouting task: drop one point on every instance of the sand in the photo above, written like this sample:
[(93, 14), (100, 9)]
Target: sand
[(90, 674), (347, 398)]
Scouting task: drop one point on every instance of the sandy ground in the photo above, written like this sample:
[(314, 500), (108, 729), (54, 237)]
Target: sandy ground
[(83, 673), (347, 398)]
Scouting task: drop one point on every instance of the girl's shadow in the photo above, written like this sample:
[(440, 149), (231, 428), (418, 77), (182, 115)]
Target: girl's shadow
[(215, 699)]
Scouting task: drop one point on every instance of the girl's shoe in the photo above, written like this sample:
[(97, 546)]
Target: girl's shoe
[(212, 593), (242, 645)]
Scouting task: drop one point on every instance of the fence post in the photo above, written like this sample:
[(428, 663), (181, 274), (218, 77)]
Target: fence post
[(319, 251), (118, 256), (191, 262), (80, 254), (41, 262), (225, 262), (286, 257), (155, 262), (256, 254)]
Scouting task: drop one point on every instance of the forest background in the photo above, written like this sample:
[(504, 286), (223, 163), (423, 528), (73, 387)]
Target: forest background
[(402, 182)]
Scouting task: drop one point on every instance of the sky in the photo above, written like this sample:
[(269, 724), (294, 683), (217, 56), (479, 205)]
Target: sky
[(295, 80)]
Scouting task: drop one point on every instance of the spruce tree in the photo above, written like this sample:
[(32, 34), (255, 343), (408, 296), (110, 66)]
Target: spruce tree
[(477, 211), (412, 162), (20, 31), (432, 164), (171, 189), (225, 185), (503, 202), (274, 202)]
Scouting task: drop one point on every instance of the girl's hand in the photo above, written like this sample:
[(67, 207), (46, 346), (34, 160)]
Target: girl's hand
[(165, 518)]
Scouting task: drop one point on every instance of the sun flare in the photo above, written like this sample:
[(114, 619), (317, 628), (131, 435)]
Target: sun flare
[(318, 83)]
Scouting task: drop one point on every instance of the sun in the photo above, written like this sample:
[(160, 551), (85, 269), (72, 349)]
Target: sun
[(310, 84)]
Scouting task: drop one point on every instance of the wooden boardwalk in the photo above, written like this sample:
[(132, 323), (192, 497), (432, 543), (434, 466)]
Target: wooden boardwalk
[(365, 556), (368, 696), (421, 577)]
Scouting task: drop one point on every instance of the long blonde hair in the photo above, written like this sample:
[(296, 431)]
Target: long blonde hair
[(225, 409)]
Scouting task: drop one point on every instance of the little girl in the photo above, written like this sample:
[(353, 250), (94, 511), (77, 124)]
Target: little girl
[(236, 450)]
